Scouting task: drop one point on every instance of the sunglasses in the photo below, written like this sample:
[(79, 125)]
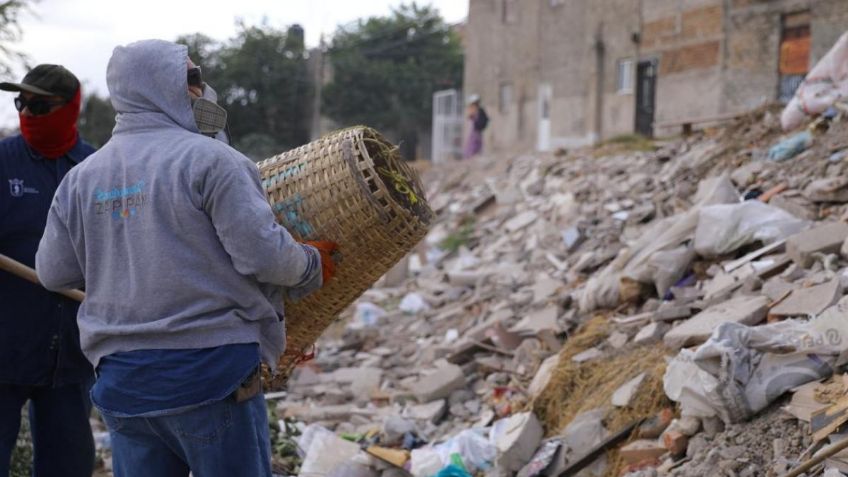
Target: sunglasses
[(37, 105), (195, 78)]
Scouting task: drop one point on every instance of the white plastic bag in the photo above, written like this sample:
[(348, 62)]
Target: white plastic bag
[(669, 266), (324, 451), (413, 303), (725, 228), (471, 445), (741, 369), (368, 314)]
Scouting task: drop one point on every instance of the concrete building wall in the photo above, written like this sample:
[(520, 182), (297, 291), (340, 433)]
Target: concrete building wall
[(565, 43), (715, 58), (685, 38), (617, 26), (503, 54)]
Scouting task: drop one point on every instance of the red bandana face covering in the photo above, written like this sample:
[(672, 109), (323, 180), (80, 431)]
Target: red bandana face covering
[(54, 134)]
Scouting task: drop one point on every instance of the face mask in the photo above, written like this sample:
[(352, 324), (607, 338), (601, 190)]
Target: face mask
[(54, 134), (210, 118)]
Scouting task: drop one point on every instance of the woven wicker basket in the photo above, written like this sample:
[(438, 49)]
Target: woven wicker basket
[(350, 187)]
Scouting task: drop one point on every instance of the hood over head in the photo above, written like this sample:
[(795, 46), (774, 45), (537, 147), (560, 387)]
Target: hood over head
[(148, 78)]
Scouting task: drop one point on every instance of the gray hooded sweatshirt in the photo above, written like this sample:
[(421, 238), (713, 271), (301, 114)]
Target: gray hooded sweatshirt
[(169, 231)]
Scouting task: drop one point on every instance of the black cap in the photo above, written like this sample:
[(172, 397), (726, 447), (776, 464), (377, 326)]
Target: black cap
[(47, 80)]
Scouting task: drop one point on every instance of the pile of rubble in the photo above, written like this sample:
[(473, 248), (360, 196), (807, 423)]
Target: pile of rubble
[(603, 311), (598, 312)]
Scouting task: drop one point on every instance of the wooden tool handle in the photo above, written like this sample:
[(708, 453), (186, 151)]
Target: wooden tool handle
[(17, 268), (818, 458)]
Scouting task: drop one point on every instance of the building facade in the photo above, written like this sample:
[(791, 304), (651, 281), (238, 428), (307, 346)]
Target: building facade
[(569, 73)]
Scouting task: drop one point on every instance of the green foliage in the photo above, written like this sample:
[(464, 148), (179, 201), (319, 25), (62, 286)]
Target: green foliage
[(10, 33), (461, 237), (21, 464), (261, 79), (386, 69), (96, 121), (632, 142), (284, 448)]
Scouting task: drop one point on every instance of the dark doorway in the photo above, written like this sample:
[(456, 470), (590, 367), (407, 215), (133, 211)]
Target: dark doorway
[(646, 87), (794, 54)]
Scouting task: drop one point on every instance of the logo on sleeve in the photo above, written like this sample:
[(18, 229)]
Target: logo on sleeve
[(17, 189)]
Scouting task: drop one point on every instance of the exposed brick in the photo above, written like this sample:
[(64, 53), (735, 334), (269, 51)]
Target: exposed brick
[(692, 57), (747, 3), (701, 23), (655, 32)]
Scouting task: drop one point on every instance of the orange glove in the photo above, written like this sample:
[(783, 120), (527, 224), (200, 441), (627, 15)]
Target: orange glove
[(327, 250)]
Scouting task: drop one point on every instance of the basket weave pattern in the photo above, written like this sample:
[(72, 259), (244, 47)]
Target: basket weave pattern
[(352, 188)]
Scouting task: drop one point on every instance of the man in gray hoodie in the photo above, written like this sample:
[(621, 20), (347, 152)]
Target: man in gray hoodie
[(185, 269)]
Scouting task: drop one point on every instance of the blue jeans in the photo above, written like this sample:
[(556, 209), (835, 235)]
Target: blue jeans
[(61, 434), (224, 438)]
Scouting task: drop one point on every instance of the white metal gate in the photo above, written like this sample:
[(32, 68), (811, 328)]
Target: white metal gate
[(447, 125)]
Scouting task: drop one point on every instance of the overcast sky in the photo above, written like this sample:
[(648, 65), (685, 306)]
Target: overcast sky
[(80, 34)]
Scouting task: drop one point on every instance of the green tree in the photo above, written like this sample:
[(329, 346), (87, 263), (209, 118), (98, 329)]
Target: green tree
[(97, 119), (386, 69), (10, 33), (262, 80)]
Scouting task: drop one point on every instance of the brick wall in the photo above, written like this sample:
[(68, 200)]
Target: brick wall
[(701, 23), (679, 60)]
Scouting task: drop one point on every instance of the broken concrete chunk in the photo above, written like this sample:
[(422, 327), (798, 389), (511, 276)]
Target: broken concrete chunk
[(832, 189), (809, 301), (652, 332), (544, 319), (747, 310), (362, 381), (519, 436), (822, 239), (617, 339), (439, 384), (671, 312), (520, 221), (776, 288), (687, 425), (572, 237), (430, 412), (623, 395), (543, 376), (588, 355), (747, 173), (544, 289)]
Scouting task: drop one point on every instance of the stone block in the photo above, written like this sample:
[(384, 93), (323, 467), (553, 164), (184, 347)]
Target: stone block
[(543, 376), (827, 238), (747, 310), (430, 412), (809, 301), (521, 436), (520, 221), (439, 384), (651, 332), (623, 395)]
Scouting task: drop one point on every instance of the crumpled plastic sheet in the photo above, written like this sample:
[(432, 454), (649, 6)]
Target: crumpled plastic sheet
[(724, 228), (741, 369), (601, 291)]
